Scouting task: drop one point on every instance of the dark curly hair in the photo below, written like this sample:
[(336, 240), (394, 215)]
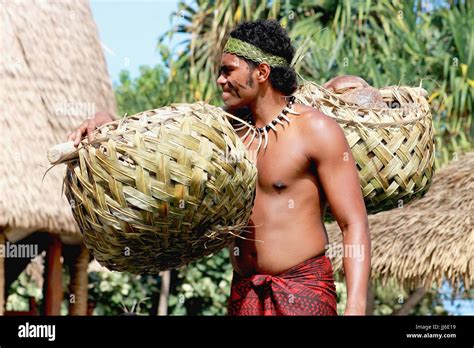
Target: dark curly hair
[(269, 36)]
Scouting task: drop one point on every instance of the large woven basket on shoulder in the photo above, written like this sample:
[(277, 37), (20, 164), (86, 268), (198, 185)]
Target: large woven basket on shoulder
[(162, 188), (393, 147)]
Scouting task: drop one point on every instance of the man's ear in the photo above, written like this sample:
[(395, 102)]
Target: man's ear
[(263, 72)]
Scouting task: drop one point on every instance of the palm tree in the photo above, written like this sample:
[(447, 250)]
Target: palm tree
[(207, 24)]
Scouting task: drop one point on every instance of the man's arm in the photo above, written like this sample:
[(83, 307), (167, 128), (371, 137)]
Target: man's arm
[(337, 173)]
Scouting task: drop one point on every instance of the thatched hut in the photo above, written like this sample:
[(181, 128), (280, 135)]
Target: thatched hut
[(427, 240), (54, 76)]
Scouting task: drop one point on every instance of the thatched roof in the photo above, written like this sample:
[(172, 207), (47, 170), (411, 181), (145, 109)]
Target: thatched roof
[(429, 239), (53, 75)]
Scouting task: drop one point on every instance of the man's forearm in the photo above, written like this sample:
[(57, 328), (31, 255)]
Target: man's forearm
[(356, 267)]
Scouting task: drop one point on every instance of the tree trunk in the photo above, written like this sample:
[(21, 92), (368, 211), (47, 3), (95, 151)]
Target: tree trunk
[(53, 289), (164, 294), (79, 283), (411, 302)]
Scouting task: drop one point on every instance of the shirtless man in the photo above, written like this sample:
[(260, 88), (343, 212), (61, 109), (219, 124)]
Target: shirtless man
[(280, 268)]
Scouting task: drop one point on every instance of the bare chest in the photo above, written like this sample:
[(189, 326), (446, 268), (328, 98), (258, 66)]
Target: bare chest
[(283, 161)]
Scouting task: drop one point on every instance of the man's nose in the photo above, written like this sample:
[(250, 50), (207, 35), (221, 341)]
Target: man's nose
[(221, 80)]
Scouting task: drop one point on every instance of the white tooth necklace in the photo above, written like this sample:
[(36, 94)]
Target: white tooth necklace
[(263, 131)]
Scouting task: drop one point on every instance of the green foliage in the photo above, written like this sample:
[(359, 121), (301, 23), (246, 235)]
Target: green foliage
[(341, 293), (203, 287), (24, 288), (20, 291), (206, 24), (152, 89), (391, 297), (114, 293)]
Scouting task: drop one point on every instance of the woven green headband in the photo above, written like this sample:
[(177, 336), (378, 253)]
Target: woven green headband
[(249, 51)]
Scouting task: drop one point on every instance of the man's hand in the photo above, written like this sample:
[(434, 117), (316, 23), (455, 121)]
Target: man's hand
[(88, 126)]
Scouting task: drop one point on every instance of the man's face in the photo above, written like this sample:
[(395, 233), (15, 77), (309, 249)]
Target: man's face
[(237, 82)]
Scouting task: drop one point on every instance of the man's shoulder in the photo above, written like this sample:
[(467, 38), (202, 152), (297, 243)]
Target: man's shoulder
[(320, 133), (314, 122)]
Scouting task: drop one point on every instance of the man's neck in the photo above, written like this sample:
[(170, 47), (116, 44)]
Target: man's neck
[(267, 107)]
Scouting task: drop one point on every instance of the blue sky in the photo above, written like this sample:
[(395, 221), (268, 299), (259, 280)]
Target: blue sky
[(129, 31)]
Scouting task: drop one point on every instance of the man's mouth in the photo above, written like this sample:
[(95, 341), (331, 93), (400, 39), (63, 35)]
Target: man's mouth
[(230, 90)]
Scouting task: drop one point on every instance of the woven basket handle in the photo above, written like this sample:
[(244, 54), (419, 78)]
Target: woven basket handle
[(62, 152), (67, 151)]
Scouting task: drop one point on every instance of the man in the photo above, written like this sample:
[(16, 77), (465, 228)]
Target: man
[(304, 163)]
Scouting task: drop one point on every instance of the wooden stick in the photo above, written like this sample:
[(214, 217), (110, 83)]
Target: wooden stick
[(61, 152)]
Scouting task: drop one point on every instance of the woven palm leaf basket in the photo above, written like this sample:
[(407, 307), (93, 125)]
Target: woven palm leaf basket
[(158, 189), (392, 144)]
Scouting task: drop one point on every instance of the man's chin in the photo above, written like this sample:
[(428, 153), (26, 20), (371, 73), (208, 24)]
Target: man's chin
[(233, 103), (241, 111), (231, 106), (227, 107)]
